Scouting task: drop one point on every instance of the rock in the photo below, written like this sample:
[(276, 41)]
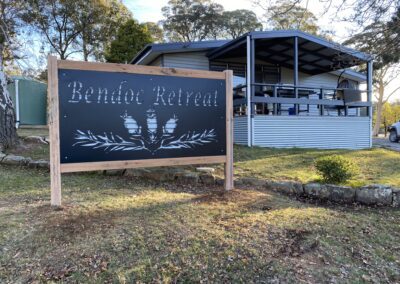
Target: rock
[(396, 197), (114, 172), (36, 139), (39, 164), (219, 181), (205, 169), (375, 194), (135, 172), (287, 187), (207, 179), (251, 181), (238, 182), (188, 178), (342, 194), (2, 155), (15, 160), (155, 174), (316, 190)]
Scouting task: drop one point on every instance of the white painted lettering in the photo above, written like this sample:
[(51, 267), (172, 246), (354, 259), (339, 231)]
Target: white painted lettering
[(76, 93)]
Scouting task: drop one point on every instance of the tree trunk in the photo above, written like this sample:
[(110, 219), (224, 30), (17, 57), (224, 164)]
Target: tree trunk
[(8, 131), (379, 106), (84, 49)]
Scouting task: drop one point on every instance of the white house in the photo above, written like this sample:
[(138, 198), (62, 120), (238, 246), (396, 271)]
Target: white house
[(301, 88)]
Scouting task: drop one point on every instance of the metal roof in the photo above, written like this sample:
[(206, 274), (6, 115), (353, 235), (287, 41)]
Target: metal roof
[(300, 34), (316, 55), (155, 49)]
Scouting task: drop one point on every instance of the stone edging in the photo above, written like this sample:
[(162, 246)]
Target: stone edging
[(9, 159), (375, 194)]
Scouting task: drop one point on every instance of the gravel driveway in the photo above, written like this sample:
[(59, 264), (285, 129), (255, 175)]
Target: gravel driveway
[(385, 143)]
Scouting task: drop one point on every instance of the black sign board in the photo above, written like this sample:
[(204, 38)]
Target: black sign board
[(114, 116)]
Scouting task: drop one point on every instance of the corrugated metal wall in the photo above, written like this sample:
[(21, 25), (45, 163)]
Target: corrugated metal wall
[(240, 130), (157, 61), (32, 101), (191, 60), (312, 132), (320, 80)]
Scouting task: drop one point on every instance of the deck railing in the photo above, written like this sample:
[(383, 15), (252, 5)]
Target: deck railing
[(271, 98)]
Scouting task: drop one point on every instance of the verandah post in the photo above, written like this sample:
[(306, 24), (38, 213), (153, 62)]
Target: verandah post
[(252, 86), (248, 89), (296, 71), (369, 95)]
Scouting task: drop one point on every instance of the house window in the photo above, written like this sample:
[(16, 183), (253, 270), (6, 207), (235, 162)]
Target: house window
[(267, 74), (239, 71)]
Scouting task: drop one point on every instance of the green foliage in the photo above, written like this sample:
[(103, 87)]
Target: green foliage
[(98, 23), (190, 20), (76, 26), (156, 32), (374, 40), (237, 22), (335, 168), (196, 20), (55, 21), (288, 16), (393, 46), (390, 113), (131, 38)]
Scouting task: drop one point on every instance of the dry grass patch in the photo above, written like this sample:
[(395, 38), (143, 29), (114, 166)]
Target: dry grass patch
[(116, 229)]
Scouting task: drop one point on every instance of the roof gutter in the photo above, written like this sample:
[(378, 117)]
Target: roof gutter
[(141, 55)]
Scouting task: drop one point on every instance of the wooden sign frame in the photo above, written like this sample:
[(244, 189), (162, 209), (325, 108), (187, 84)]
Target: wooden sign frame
[(56, 168)]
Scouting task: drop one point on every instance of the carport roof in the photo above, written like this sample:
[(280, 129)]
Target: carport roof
[(316, 55)]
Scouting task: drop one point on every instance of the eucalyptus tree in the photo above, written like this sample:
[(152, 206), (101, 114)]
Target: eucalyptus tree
[(237, 22), (98, 22), (10, 21), (155, 31), (191, 20), (374, 39), (130, 39), (287, 16), (55, 21)]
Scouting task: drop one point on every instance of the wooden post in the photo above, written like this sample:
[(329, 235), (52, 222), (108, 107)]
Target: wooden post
[(229, 130), (53, 120)]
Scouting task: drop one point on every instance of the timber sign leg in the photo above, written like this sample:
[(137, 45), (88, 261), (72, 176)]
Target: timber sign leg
[(117, 116)]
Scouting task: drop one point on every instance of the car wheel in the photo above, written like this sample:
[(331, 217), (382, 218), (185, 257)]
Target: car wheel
[(393, 136)]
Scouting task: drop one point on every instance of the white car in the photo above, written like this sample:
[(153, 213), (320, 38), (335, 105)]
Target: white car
[(394, 132)]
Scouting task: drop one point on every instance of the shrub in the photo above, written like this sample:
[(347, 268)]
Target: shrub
[(335, 168)]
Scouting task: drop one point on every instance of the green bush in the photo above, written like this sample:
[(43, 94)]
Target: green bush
[(335, 168)]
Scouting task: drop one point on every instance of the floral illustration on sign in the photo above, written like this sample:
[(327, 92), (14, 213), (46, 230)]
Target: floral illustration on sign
[(148, 138)]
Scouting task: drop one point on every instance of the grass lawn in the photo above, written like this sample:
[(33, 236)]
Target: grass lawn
[(377, 165), (120, 230), (39, 131)]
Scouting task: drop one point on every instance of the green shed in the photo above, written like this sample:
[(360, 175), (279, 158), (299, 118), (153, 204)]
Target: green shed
[(30, 100)]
